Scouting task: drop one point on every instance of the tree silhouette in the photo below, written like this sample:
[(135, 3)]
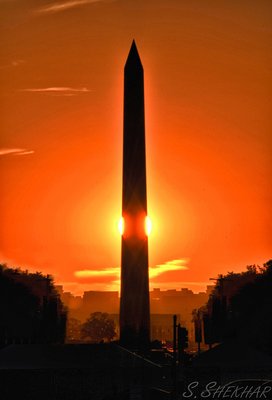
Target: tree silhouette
[(30, 308), (98, 327), (240, 308), (251, 311)]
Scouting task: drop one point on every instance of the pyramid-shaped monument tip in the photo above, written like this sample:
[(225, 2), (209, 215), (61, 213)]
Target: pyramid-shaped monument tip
[(133, 56)]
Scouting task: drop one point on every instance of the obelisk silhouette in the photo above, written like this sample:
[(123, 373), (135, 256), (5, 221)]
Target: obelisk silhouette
[(134, 304)]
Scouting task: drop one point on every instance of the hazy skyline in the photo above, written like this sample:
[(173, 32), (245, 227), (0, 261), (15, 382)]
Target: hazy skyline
[(208, 136)]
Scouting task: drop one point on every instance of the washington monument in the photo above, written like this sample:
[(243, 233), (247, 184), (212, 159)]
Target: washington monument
[(134, 305)]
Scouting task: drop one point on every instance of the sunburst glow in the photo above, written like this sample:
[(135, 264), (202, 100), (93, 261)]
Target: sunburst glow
[(121, 226), (148, 225)]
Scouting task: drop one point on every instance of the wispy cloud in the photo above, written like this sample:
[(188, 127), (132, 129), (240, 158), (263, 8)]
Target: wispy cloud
[(25, 153), (14, 64), (15, 152), (114, 273), (174, 265), (64, 5), (58, 90), (87, 273)]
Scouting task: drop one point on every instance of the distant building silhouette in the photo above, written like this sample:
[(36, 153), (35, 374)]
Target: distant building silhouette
[(134, 304), (163, 305), (99, 301)]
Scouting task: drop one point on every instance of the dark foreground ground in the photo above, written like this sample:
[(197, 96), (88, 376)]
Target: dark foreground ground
[(80, 372), (109, 372)]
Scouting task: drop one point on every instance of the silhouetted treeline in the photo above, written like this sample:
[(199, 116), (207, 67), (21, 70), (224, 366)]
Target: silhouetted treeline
[(240, 308), (30, 308)]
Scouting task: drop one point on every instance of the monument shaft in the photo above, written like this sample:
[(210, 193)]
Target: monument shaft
[(134, 305)]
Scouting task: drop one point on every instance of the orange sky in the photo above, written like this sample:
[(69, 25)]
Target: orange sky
[(208, 132)]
